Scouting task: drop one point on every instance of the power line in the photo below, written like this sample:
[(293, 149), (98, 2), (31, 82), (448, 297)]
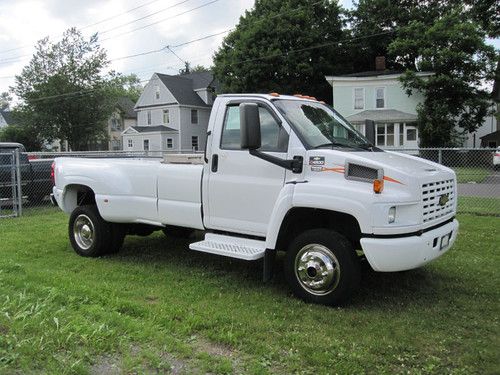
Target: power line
[(144, 17), (133, 30), (90, 25), (159, 21), (274, 55)]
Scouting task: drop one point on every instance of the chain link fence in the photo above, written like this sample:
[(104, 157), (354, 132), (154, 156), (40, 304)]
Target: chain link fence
[(26, 183), (478, 176)]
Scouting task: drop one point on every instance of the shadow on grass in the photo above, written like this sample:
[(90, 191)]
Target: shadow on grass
[(417, 287)]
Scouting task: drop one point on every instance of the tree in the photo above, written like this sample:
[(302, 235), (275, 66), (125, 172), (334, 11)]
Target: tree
[(63, 91), (376, 23), (5, 100), (119, 85), (454, 49), (270, 49), (22, 133)]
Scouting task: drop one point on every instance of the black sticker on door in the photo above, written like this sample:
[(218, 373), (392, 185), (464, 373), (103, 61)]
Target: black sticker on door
[(317, 160)]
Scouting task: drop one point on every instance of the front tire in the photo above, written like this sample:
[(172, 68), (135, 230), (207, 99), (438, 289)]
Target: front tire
[(321, 267), (90, 235)]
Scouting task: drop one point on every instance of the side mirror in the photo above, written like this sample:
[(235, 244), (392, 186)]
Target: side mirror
[(250, 126)]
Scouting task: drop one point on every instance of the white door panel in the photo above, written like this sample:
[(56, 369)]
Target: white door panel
[(243, 191)]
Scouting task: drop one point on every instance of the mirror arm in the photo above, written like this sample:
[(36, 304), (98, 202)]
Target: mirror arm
[(294, 165)]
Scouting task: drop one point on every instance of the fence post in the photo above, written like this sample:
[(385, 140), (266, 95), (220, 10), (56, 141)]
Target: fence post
[(19, 186), (440, 156), (13, 184)]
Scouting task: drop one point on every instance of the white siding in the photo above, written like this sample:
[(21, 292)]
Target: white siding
[(188, 130)]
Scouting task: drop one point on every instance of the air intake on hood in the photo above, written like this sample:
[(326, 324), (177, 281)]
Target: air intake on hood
[(362, 173)]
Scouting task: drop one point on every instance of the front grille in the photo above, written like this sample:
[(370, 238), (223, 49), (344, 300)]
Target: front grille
[(438, 199)]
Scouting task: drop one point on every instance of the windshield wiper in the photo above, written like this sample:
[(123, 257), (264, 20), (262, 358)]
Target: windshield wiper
[(332, 144)]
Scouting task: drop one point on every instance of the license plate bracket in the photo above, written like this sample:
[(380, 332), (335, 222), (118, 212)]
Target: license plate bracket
[(445, 241)]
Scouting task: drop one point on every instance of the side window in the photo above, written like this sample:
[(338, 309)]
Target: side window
[(273, 136)]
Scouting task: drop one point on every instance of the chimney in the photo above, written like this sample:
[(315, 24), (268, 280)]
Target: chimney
[(380, 63)]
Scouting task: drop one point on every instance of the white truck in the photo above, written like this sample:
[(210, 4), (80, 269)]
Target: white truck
[(279, 173)]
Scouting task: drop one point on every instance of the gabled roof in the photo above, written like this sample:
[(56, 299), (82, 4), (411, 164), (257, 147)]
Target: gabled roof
[(379, 115), (126, 105), (7, 116), (182, 87)]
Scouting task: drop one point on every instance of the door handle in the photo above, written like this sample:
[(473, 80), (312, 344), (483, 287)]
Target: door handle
[(215, 162)]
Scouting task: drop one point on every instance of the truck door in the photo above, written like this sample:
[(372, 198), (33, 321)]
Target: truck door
[(242, 189)]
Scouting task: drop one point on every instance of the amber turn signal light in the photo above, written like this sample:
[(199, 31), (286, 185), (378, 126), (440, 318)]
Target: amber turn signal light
[(378, 186)]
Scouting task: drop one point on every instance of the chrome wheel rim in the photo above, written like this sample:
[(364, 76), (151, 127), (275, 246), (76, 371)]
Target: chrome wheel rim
[(317, 269), (83, 232)]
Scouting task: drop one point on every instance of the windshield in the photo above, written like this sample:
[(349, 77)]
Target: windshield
[(320, 125)]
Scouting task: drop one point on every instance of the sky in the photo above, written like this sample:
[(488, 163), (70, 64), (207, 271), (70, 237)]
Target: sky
[(125, 27)]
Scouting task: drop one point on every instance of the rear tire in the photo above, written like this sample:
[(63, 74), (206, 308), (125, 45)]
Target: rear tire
[(321, 266), (90, 235)]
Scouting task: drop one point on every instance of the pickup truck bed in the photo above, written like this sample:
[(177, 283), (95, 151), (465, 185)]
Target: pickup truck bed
[(141, 191)]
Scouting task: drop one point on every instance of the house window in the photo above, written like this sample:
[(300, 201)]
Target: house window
[(194, 116), (194, 142), (149, 117), (385, 134), (411, 133), (116, 144), (115, 123), (359, 98), (157, 92), (130, 143), (146, 145), (380, 97), (166, 116), (170, 143), (401, 134)]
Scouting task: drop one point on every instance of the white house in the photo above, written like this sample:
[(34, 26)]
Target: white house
[(123, 117), (379, 97), (172, 113)]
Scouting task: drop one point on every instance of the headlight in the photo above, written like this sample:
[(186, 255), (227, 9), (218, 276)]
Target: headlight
[(392, 215)]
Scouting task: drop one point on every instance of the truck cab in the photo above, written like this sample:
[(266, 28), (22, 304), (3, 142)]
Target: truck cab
[(279, 173)]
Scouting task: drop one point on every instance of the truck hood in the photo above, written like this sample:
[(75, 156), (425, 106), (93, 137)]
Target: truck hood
[(398, 166)]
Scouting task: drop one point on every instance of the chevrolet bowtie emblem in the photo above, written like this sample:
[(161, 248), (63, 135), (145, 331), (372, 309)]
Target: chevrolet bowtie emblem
[(443, 199)]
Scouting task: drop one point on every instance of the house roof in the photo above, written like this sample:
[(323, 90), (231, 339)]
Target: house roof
[(7, 116), (149, 129), (182, 87), (380, 115), (373, 73), (491, 137), (127, 106)]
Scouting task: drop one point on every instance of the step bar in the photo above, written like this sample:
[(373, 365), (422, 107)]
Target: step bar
[(229, 246)]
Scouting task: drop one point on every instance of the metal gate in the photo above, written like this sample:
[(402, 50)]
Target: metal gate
[(10, 185)]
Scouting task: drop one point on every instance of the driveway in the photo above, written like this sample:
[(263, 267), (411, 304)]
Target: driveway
[(489, 188)]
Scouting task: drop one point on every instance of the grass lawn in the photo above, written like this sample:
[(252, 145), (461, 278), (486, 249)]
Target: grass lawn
[(479, 205), (472, 174), (158, 307)]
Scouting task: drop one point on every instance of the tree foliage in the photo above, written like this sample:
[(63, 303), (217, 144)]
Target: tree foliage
[(120, 85), (63, 91), (270, 48), (454, 49), (19, 132), (443, 37)]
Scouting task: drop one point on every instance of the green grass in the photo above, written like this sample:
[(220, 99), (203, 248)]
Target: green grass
[(471, 174), (479, 205), (157, 306)]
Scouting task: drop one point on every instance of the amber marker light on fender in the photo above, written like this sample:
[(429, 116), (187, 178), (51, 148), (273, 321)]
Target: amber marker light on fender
[(378, 186)]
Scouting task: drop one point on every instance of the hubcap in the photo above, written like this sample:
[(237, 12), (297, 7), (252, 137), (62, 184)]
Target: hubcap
[(83, 231), (317, 269)]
